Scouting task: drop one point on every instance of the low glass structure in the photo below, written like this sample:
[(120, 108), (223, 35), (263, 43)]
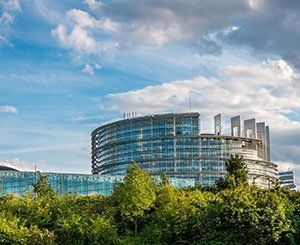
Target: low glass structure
[(16, 182), (287, 179), (172, 143)]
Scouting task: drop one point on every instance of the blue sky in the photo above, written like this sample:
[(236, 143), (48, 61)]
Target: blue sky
[(68, 66)]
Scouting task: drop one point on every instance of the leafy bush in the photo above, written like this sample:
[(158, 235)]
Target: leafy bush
[(12, 231)]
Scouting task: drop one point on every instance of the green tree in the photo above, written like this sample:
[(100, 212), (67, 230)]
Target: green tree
[(164, 179), (172, 210), (135, 195), (243, 215), (293, 237), (143, 212), (236, 175), (43, 188)]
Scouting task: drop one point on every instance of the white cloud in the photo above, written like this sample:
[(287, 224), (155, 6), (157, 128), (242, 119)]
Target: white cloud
[(268, 91), (8, 11), (77, 39), (158, 23), (11, 5), (8, 109), (78, 32), (86, 118), (286, 166), (83, 19), (93, 4), (133, 35), (267, 27), (18, 164), (160, 29), (6, 18), (256, 4)]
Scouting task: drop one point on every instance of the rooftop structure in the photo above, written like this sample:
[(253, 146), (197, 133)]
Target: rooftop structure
[(236, 126), (250, 128), (218, 124), (172, 143)]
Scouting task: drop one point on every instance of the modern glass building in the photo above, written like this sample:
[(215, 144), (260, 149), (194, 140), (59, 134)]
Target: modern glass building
[(16, 182), (173, 143), (287, 179)]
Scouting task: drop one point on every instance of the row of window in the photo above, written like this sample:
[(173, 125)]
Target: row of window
[(131, 153), (20, 182)]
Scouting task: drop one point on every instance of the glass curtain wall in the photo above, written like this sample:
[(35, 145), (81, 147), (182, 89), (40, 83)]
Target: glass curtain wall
[(172, 143)]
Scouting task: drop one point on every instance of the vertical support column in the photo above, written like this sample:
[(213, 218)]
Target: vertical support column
[(236, 126), (218, 124), (268, 144), (250, 128), (261, 134)]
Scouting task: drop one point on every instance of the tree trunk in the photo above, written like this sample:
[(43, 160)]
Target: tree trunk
[(135, 227)]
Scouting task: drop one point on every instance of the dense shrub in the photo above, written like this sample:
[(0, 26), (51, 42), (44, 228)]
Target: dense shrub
[(12, 231)]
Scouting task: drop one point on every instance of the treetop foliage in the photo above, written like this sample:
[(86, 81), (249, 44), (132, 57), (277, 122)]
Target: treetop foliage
[(142, 211)]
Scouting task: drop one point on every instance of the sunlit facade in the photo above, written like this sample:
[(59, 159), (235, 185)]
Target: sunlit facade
[(173, 143)]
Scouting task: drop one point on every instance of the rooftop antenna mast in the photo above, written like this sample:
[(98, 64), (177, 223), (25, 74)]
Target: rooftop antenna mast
[(190, 100)]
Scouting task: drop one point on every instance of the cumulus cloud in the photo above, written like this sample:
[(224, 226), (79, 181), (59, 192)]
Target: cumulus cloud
[(267, 27), (268, 91), (146, 23), (79, 32), (8, 109), (8, 12), (271, 27), (93, 4), (77, 39), (161, 22)]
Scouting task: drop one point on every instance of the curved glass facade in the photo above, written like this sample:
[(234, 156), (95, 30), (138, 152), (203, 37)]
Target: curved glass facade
[(172, 143), (81, 184)]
